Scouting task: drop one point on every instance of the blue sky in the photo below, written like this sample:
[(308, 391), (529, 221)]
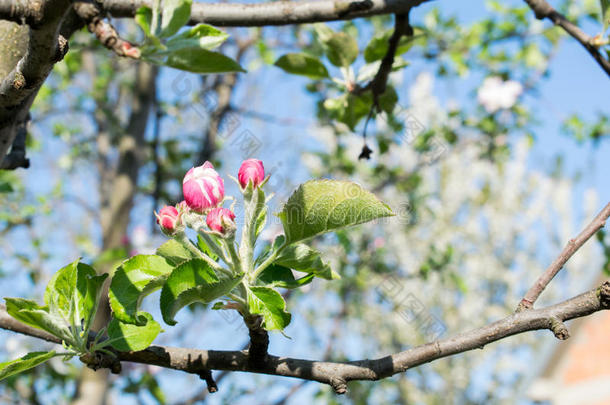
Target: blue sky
[(576, 85)]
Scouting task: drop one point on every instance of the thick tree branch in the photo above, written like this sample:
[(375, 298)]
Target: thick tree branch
[(259, 341), (543, 10), (19, 87), (338, 374), (238, 15), (17, 156), (573, 245)]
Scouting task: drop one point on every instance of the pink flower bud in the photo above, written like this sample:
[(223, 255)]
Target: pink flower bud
[(251, 170), (203, 188), (220, 219), (168, 219)]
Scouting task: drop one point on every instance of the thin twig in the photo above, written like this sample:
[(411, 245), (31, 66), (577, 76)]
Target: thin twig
[(542, 9), (379, 83), (92, 13), (573, 245)]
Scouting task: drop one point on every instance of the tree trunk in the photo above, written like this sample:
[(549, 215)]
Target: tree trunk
[(118, 190)]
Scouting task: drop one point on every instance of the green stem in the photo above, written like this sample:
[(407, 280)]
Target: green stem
[(186, 242), (230, 244), (237, 298), (266, 263)]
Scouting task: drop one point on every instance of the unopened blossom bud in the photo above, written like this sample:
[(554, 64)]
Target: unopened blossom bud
[(182, 207), (168, 219), (221, 220), (203, 188), (251, 170)]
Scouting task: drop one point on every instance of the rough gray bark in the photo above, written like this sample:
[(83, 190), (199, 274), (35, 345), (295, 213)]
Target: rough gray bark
[(245, 15), (338, 374), (19, 85)]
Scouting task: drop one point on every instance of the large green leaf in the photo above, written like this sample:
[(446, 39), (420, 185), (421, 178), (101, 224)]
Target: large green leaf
[(126, 336), (192, 281), (320, 206), (269, 303), (280, 276), (202, 61), (201, 36), (175, 252), (73, 294), (301, 257), (302, 64), (176, 13), (341, 49), (134, 280), (24, 363), (30, 313)]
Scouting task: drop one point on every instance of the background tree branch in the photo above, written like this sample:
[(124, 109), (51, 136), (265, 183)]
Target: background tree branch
[(543, 10), (573, 245)]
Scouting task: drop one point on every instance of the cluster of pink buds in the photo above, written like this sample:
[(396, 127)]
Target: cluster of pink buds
[(204, 193)]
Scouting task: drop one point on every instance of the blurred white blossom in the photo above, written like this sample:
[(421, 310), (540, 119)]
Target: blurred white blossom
[(496, 94)]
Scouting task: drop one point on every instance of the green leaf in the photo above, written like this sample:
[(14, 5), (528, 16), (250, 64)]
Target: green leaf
[(368, 71), (126, 336), (175, 252), (5, 187), (192, 281), (203, 246), (301, 257), (605, 4), (280, 276), (302, 64), (388, 100), (348, 108), (261, 220), (378, 45), (320, 206), (134, 280), (176, 14), (201, 36), (24, 363), (202, 61), (144, 19), (341, 49), (269, 303), (30, 313), (73, 294)]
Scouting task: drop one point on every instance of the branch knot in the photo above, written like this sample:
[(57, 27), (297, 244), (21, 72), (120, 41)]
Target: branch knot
[(604, 295), (559, 328)]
